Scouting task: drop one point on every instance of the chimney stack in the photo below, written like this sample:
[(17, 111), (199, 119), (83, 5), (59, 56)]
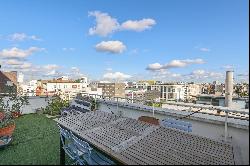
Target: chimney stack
[(229, 89)]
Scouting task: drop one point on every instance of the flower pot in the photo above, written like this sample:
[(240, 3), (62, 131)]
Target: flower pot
[(16, 114), (8, 130)]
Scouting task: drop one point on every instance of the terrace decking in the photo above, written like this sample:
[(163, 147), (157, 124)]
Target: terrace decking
[(131, 141)]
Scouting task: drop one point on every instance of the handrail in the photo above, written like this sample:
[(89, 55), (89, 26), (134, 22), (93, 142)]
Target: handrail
[(209, 107)]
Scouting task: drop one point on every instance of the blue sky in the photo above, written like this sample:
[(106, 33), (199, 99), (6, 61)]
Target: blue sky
[(183, 40)]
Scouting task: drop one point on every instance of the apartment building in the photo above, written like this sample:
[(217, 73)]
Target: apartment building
[(61, 85), (192, 91), (30, 88), (112, 89), (133, 93)]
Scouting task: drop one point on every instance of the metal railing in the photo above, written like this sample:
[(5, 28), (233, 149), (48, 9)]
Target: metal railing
[(226, 110)]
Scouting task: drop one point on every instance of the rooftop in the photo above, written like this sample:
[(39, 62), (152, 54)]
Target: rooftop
[(131, 141)]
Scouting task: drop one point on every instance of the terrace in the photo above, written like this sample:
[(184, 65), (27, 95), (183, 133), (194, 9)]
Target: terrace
[(212, 130)]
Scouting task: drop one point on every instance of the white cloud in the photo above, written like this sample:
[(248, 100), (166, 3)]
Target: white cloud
[(174, 64), (138, 25), (13, 62), (111, 47), (18, 53), (202, 74), (228, 67), (198, 72), (176, 75), (105, 24), (22, 37), (24, 65), (52, 73), (116, 75), (75, 69), (205, 49), (51, 67), (154, 66)]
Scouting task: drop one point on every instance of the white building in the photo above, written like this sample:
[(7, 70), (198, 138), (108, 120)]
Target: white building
[(171, 91), (20, 78), (141, 85), (30, 88), (135, 93), (93, 91), (193, 90), (65, 86)]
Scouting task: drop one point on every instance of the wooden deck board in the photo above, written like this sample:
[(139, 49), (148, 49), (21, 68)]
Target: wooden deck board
[(134, 142)]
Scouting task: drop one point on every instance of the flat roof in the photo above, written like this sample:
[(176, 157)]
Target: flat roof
[(130, 141)]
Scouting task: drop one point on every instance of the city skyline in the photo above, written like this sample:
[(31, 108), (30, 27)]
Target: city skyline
[(168, 40)]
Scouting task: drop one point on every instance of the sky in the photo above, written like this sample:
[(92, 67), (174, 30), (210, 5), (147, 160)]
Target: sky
[(126, 40)]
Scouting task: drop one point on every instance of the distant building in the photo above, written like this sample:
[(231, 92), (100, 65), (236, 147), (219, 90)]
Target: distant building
[(133, 93), (30, 88), (62, 86), (141, 85), (152, 95), (20, 78), (192, 91), (113, 89), (149, 82), (93, 91), (170, 91), (237, 103)]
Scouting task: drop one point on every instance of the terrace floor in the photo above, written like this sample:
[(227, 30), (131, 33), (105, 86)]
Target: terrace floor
[(35, 141)]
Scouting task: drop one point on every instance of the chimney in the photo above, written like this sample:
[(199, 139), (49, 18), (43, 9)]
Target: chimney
[(228, 88)]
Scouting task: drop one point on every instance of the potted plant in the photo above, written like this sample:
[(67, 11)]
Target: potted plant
[(10, 104), (7, 124), (13, 102)]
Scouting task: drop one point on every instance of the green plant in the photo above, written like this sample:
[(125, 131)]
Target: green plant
[(150, 103), (10, 102), (55, 105), (94, 104), (13, 102)]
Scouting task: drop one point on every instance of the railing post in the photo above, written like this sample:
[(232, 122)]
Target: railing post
[(95, 102), (226, 132), (117, 106), (153, 109)]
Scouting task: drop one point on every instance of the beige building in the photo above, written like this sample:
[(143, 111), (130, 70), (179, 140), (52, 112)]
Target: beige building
[(112, 89)]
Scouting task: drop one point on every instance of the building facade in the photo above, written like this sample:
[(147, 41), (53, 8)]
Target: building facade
[(113, 89)]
